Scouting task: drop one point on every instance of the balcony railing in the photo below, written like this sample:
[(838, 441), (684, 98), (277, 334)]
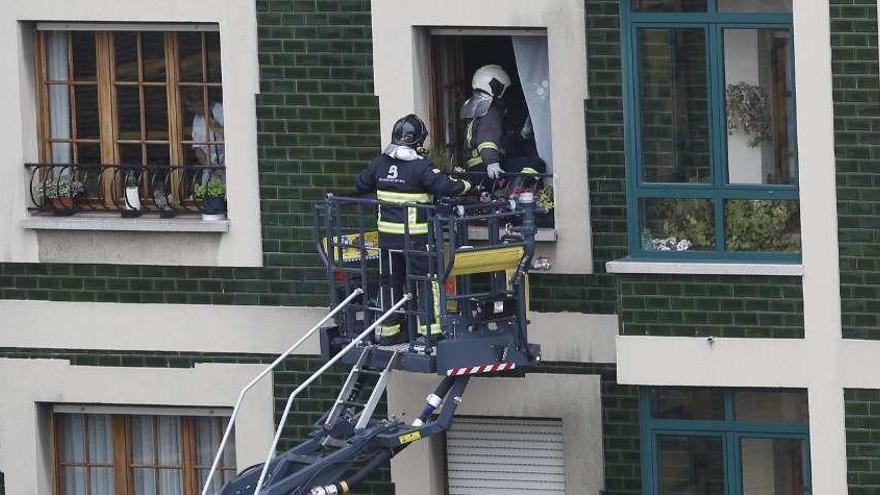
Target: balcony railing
[(168, 190)]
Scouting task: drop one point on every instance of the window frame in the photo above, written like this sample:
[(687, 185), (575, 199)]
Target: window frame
[(123, 463), (717, 190), (730, 430)]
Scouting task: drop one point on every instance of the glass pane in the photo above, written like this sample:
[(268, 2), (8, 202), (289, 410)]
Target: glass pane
[(156, 109), (207, 440), (144, 481), (74, 480), (762, 225), (158, 154), (142, 448), (88, 153), (73, 447), (772, 466), (216, 483), (62, 153), (771, 405), (84, 53), (760, 107), (229, 453), (212, 45), (669, 5), (169, 440), (189, 46), (170, 482), (693, 403), (128, 106), (690, 465), (59, 111), (672, 224), (56, 55), (100, 439), (101, 480), (87, 112), (769, 6), (130, 154), (153, 53), (125, 45), (193, 101), (673, 94)]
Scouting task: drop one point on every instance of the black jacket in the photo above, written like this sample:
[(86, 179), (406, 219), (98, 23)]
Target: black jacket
[(399, 181), (483, 135)]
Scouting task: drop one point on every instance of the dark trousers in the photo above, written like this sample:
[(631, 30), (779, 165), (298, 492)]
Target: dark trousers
[(392, 280)]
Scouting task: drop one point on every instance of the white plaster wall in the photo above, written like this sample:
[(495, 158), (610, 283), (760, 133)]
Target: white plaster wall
[(564, 337), (400, 57), (27, 384), (575, 399), (241, 246)]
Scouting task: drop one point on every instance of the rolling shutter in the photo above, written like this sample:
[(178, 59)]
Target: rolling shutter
[(510, 456)]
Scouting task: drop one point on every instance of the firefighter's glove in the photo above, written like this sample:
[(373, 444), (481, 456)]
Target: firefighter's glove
[(494, 171)]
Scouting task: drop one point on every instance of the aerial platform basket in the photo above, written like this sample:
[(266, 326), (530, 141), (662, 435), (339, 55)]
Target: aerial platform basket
[(477, 290)]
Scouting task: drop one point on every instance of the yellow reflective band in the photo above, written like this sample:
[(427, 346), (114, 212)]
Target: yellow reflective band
[(467, 187), (469, 133), (387, 330), (401, 197), (344, 486), (399, 228), (473, 162), (528, 170), (488, 145)]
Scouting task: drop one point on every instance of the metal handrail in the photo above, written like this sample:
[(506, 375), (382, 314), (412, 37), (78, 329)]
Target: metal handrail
[(337, 357), (358, 291)]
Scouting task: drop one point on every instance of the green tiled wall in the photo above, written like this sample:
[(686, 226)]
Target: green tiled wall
[(862, 441)]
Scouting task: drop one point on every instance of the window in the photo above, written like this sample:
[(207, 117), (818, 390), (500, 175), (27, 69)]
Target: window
[(724, 441), (122, 106), (98, 454), (711, 144), (455, 55)]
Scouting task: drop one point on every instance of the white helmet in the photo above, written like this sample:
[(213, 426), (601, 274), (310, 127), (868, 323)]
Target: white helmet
[(492, 79)]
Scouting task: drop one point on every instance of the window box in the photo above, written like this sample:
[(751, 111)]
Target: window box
[(711, 142)]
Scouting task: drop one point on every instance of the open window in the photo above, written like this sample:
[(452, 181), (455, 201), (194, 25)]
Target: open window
[(455, 55)]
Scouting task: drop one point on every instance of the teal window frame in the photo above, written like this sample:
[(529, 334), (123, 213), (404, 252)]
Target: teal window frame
[(730, 430), (718, 191)]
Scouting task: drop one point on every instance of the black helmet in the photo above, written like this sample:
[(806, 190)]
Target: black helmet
[(409, 131)]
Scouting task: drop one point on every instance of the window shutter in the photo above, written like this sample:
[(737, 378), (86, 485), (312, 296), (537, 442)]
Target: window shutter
[(510, 456)]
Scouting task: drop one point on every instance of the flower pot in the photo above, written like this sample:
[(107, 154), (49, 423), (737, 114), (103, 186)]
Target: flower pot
[(213, 208), (63, 206)]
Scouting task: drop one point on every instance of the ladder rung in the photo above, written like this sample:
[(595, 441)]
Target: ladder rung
[(351, 403), (370, 372)]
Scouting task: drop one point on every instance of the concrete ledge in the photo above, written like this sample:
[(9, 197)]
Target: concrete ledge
[(113, 222), (626, 265)]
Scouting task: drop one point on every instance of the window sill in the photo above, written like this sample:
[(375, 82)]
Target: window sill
[(626, 265), (482, 234), (112, 222)]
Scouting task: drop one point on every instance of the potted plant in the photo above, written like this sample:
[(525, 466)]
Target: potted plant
[(61, 191), (213, 197)]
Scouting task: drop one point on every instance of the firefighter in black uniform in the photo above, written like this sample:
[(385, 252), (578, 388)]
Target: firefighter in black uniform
[(401, 175), (483, 116)]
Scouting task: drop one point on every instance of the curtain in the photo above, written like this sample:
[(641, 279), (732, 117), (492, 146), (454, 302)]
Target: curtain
[(533, 66), (59, 94)]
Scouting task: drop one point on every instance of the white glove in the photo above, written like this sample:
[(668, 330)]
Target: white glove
[(494, 171)]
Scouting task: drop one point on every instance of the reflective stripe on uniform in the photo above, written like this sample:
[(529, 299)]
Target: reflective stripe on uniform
[(488, 145), (399, 228), (403, 197), (473, 162), (387, 330)]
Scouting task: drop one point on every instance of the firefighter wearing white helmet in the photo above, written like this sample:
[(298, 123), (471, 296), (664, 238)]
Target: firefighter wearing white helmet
[(483, 122)]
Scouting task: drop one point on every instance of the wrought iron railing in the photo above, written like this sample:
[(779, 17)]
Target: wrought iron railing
[(67, 188)]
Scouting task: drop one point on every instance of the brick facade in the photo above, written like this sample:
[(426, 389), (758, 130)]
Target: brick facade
[(856, 80), (862, 442)]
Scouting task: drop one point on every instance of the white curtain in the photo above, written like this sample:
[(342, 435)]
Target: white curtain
[(59, 94), (74, 428), (533, 66)]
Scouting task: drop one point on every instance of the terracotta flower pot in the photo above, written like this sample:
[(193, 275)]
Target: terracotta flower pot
[(63, 205)]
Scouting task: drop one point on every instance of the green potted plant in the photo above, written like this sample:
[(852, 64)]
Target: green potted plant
[(61, 192), (212, 194)]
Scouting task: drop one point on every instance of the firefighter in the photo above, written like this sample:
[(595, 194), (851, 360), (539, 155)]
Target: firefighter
[(483, 119), (402, 175)]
